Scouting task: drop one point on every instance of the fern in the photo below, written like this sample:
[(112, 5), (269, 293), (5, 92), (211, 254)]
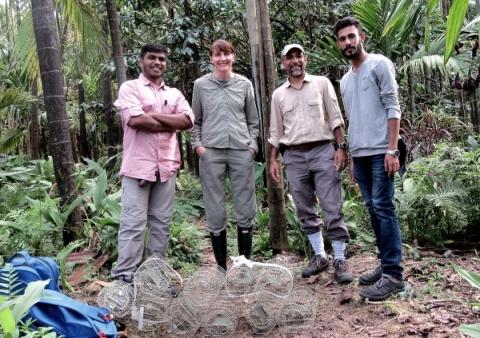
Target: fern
[(9, 282)]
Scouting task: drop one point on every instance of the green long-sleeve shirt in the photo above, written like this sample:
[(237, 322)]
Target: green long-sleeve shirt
[(225, 113)]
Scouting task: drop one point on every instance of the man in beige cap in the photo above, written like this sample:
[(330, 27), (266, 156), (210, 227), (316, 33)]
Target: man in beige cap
[(306, 126)]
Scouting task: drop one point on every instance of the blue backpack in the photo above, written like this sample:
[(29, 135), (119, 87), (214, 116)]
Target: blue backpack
[(71, 318), (30, 269)]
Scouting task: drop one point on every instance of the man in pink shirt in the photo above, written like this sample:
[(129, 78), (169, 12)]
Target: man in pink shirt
[(151, 115)]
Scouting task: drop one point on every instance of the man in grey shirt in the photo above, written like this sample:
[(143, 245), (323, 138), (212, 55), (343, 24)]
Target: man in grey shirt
[(370, 97)]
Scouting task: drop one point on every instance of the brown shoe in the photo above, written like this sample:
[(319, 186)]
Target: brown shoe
[(317, 264), (343, 272)]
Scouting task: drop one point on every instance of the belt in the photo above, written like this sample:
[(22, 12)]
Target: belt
[(308, 145)]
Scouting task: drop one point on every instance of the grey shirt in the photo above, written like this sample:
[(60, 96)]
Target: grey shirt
[(370, 98), (225, 114)]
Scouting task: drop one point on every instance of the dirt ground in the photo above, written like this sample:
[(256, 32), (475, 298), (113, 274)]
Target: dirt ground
[(437, 302)]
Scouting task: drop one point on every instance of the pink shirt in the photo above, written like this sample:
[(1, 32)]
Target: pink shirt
[(145, 153)]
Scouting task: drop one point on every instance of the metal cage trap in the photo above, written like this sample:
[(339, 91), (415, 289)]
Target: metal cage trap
[(222, 316), (298, 311), (117, 297), (155, 285), (183, 322), (203, 288)]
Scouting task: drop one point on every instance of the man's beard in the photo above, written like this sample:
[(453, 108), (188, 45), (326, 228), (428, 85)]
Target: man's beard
[(358, 50)]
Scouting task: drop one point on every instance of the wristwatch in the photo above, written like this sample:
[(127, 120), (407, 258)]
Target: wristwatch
[(342, 145), (394, 153)]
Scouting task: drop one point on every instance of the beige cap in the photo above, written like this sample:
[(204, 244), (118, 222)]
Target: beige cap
[(291, 46)]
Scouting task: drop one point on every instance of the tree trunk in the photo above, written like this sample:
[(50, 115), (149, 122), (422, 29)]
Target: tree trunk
[(446, 7), (34, 125), (411, 91), (50, 61), (276, 201), (116, 35), (108, 112), (84, 147)]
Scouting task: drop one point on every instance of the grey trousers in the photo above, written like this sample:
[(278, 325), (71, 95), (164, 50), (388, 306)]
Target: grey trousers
[(311, 174), (238, 165), (152, 205)]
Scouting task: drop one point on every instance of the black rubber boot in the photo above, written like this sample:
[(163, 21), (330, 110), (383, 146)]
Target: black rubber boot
[(219, 244), (244, 237)]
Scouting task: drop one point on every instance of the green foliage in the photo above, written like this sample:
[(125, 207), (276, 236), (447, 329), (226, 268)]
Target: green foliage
[(473, 278), (62, 262), (26, 206), (13, 307), (438, 199), (455, 20), (185, 244)]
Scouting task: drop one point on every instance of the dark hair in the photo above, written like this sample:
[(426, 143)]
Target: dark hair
[(345, 22), (153, 48), (222, 46)]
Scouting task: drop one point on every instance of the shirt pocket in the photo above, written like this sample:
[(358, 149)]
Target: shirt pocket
[(287, 113), (315, 109), (237, 98)]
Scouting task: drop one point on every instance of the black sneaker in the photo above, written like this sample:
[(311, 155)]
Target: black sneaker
[(343, 272), (371, 277), (317, 264), (383, 288)]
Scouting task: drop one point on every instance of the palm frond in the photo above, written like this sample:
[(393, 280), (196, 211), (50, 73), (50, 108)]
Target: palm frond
[(328, 55), (25, 52), (14, 97), (10, 139)]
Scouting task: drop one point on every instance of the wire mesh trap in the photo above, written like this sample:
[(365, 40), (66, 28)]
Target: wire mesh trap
[(262, 311), (117, 297), (202, 288), (221, 318), (155, 285), (155, 277), (240, 280), (182, 322), (273, 278), (298, 311), (149, 311)]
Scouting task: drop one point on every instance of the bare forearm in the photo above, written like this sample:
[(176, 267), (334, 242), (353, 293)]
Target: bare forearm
[(339, 135), (174, 121), (274, 154), (146, 122), (393, 131)]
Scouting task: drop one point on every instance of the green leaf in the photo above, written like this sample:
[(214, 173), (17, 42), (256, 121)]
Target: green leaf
[(455, 19), (7, 323), (100, 193), (472, 330), (32, 294), (431, 5), (472, 277)]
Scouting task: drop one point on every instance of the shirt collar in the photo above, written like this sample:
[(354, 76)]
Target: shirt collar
[(307, 78), (214, 79), (147, 82)]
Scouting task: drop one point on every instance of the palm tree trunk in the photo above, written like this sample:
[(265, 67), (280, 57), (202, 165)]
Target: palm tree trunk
[(34, 126), (116, 35), (84, 147), (50, 61), (108, 112), (411, 90), (276, 200)]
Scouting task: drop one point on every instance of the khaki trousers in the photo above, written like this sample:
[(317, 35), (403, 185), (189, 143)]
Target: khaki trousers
[(215, 165), (152, 206)]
